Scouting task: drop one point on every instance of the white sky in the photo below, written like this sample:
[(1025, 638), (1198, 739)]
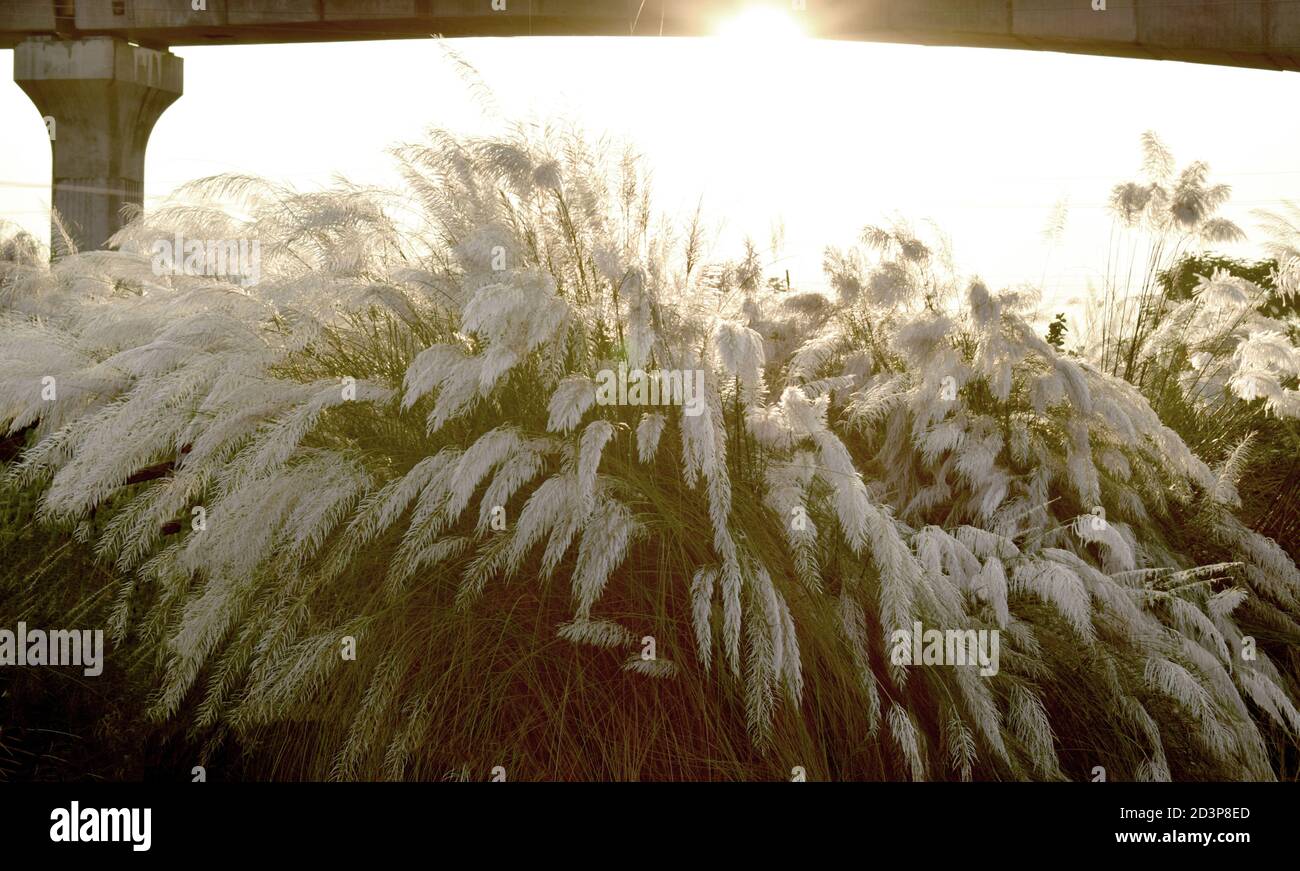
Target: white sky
[(822, 136)]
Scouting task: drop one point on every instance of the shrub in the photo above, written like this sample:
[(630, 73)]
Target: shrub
[(412, 371)]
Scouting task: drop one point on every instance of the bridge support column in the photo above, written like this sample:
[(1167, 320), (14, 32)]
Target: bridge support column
[(100, 97)]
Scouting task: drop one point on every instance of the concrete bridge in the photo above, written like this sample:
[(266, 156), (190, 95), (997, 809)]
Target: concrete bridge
[(100, 72)]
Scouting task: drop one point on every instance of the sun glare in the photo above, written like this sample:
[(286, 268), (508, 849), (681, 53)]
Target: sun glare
[(761, 24)]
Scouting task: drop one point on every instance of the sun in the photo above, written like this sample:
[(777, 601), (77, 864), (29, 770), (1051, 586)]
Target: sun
[(762, 24)]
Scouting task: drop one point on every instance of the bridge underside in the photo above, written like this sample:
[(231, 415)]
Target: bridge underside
[(1251, 33), (100, 73)]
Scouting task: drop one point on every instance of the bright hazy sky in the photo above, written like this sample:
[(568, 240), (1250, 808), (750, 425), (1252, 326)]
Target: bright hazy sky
[(821, 136)]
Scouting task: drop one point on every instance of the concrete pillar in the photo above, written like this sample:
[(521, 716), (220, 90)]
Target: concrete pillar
[(100, 97)]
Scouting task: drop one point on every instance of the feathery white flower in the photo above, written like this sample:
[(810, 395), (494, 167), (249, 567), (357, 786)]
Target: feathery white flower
[(604, 544), (905, 734), (740, 352), (660, 668), (594, 438), (1058, 586), (648, 432), (570, 401), (600, 633), (1029, 721)]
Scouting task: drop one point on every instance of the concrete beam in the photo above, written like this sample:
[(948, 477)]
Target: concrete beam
[(1253, 33), (100, 97)]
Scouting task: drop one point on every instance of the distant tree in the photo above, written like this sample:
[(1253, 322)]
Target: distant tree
[(1179, 281), (1056, 331)]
